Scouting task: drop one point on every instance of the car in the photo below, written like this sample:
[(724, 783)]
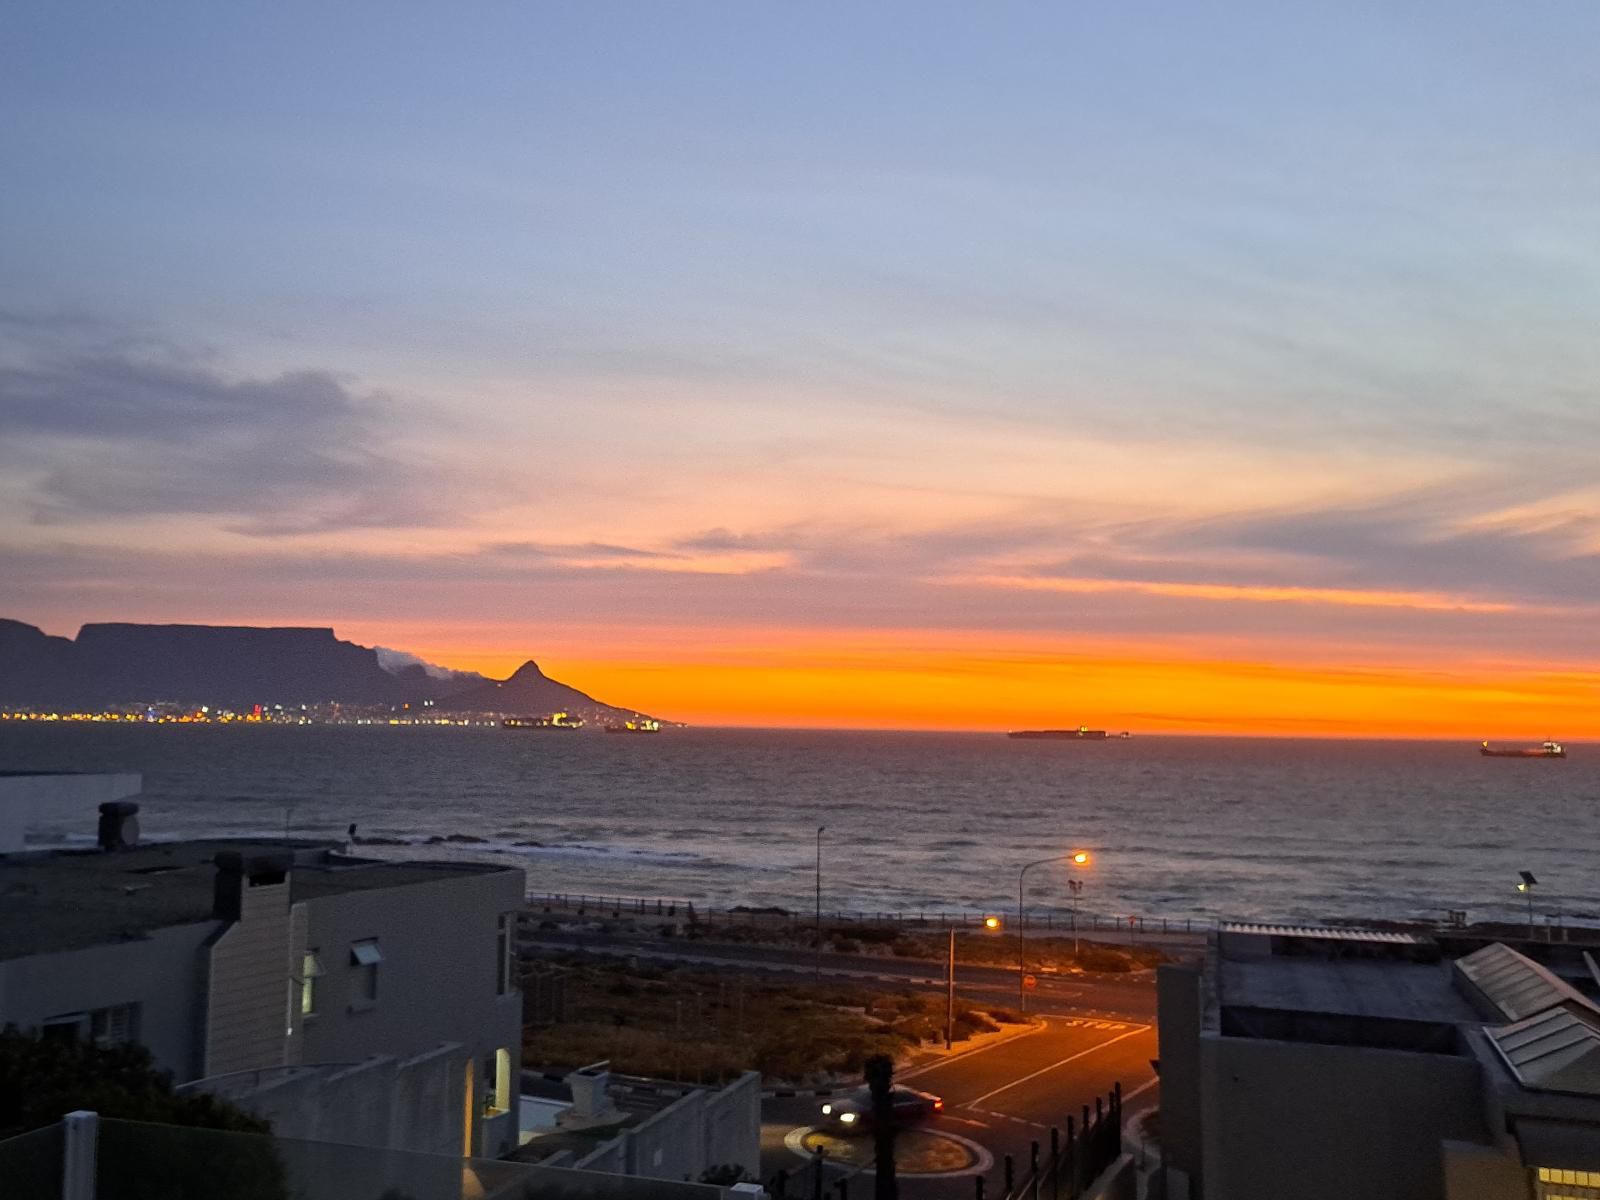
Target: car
[(853, 1113)]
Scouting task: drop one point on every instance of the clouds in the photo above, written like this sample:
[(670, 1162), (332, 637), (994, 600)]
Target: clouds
[(110, 425)]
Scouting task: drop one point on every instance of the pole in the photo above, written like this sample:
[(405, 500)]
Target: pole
[(1022, 955), (950, 995), (820, 828)]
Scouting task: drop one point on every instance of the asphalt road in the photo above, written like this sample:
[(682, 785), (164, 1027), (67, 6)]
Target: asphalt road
[(1002, 1098), (1098, 995)]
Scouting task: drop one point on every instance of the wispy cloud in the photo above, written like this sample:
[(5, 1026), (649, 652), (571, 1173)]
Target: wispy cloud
[(105, 423)]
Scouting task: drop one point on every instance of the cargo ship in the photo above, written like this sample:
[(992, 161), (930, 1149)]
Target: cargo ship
[(558, 720), (1081, 734), (639, 725), (1542, 750)]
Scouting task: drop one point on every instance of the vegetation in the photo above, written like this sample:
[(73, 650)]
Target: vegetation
[(702, 1027), (41, 1080), (974, 947)]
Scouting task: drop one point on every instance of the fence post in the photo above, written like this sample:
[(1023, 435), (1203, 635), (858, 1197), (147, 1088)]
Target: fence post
[(843, 1187), (978, 1180), (81, 1133), (1072, 1158), (1033, 1167), (1116, 1118), (816, 1187), (780, 1185), (1011, 1176)]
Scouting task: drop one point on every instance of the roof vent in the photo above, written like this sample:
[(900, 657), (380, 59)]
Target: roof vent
[(119, 825)]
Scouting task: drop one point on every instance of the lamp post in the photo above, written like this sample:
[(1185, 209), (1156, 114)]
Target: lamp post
[(820, 829), (1076, 887), (1078, 858), (1526, 886), (989, 923)]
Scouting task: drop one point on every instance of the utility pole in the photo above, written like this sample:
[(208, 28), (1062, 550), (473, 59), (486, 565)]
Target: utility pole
[(820, 829), (950, 994), (880, 1081)]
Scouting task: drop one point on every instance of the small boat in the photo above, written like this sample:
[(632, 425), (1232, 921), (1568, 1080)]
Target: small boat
[(638, 725), (1081, 734), (1542, 750)]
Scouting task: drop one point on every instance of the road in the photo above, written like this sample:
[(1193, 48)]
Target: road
[(1002, 1097), (1095, 995), (1096, 1031)]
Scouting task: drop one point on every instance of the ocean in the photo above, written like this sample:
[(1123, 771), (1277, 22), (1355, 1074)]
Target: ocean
[(1264, 829)]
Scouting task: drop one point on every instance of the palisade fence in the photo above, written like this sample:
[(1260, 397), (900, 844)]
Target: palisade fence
[(1066, 1169), (676, 908)]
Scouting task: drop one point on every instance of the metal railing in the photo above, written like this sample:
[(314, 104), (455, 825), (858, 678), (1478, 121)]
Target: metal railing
[(1093, 1142), (617, 907)]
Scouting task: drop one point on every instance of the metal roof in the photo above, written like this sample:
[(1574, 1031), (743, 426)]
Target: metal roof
[(1515, 985), (1328, 933), (1555, 1050)]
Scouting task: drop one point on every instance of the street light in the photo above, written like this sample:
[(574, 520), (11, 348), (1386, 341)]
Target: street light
[(820, 829), (1077, 858), (990, 923), (1526, 886)]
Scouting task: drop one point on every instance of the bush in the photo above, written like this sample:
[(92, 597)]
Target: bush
[(845, 945), (40, 1080)]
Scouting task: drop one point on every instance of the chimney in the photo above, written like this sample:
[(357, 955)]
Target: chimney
[(119, 825), (235, 873)]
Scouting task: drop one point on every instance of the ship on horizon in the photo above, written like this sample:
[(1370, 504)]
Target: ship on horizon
[(1542, 750), (1081, 734), (558, 720), (637, 725)]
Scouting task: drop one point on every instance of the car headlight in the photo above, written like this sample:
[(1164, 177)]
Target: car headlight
[(848, 1118), (827, 1109)]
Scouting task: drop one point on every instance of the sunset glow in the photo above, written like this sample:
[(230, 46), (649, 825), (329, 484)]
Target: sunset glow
[(851, 390)]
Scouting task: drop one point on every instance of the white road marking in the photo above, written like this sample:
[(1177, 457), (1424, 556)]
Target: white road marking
[(1143, 1087), (1045, 1070)]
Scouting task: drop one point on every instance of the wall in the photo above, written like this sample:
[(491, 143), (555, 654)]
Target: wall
[(733, 1124), (437, 981), (1311, 1122), (389, 1103), (1178, 1049), (160, 972), (1483, 1173), (56, 800), (699, 1130), (247, 992)]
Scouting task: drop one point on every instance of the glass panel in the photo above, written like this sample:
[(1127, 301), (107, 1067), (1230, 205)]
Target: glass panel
[(30, 1163), (140, 1161)]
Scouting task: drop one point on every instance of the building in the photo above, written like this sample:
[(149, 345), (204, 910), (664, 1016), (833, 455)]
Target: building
[(30, 800), (348, 999), (1315, 1063)]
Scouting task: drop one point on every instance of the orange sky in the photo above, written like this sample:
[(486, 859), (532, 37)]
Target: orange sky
[(909, 681)]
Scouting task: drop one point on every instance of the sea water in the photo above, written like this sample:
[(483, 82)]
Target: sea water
[(1274, 829)]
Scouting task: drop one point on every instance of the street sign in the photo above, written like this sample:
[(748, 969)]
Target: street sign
[(1029, 982)]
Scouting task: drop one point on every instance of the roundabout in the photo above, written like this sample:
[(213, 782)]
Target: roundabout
[(926, 1153)]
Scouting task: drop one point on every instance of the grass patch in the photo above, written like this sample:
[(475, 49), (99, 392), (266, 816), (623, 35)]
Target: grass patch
[(704, 1027)]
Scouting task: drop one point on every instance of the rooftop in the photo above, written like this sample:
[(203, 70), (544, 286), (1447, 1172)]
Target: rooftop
[(1514, 985), (58, 900), (1349, 987), (1325, 933), (1556, 1050)]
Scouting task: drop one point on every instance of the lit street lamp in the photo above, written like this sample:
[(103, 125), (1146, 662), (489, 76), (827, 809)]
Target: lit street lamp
[(1077, 858), (990, 923), (1526, 886)]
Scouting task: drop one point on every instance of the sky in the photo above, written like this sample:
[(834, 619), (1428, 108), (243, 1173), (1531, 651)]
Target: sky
[(1209, 369)]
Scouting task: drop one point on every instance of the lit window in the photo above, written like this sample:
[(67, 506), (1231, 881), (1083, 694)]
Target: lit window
[(365, 957), (310, 972)]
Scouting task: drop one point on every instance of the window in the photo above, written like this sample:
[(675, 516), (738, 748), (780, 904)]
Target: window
[(112, 1026), (497, 1073), (365, 957), (310, 972), (505, 958), (1557, 1183)]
